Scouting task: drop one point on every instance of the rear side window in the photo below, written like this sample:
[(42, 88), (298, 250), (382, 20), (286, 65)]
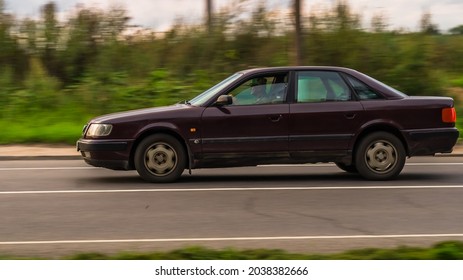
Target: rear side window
[(363, 91), (321, 86)]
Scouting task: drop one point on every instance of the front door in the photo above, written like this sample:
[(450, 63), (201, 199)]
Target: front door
[(255, 125)]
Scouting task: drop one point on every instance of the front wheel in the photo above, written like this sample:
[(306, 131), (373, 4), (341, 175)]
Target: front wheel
[(160, 158), (380, 156)]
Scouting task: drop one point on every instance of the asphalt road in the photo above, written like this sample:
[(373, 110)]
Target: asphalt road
[(53, 208)]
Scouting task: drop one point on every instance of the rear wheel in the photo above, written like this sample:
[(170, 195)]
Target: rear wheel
[(160, 158), (380, 156)]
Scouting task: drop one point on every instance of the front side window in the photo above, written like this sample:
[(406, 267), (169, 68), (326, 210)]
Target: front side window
[(321, 86), (265, 89)]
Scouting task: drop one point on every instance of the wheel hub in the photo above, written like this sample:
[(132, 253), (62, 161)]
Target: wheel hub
[(381, 157), (160, 159)]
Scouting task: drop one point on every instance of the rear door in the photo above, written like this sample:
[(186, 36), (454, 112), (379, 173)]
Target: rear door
[(324, 116)]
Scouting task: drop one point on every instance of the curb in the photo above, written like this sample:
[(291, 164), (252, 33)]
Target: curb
[(55, 157)]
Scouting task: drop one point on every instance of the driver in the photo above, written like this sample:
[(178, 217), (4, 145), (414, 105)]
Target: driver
[(258, 90)]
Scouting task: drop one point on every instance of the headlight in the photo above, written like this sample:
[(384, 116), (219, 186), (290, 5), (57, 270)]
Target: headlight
[(99, 129)]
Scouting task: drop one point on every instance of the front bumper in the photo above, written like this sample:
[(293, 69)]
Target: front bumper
[(111, 154)]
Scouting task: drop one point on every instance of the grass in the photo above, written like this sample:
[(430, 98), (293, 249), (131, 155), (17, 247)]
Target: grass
[(64, 126), (58, 132), (448, 250), (457, 82)]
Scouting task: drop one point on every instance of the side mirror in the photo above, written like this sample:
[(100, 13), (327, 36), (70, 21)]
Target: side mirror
[(224, 100)]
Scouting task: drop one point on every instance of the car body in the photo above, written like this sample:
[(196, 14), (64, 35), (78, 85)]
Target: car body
[(303, 114)]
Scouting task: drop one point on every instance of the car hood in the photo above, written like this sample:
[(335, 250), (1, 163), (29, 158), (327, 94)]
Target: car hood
[(138, 114)]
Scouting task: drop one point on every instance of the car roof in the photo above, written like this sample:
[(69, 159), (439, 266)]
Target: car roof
[(295, 68)]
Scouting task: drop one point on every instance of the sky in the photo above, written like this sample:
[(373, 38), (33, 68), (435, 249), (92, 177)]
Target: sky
[(160, 14)]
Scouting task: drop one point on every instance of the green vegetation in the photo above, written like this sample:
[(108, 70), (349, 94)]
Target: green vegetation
[(55, 76), (448, 250)]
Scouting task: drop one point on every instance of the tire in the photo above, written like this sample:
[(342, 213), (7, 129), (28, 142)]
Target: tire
[(380, 156), (160, 158), (348, 168)]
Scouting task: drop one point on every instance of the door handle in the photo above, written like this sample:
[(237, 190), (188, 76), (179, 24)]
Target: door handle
[(350, 116), (275, 118)]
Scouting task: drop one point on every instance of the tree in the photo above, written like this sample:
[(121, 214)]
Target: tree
[(81, 47), (426, 25), (298, 31), (50, 25), (50, 39), (11, 56), (209, 15), (457, 30), (378, 23)]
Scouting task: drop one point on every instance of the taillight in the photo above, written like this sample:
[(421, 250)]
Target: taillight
[(449, 115)]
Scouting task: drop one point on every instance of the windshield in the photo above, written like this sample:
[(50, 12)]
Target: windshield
[(201, 99)]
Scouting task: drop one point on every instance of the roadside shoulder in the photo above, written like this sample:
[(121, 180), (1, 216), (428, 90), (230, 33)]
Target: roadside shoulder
[(38, 151)]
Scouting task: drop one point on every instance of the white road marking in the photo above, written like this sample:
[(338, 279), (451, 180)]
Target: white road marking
[(231, 189), (332, 164), (309, 237), (431, 164)]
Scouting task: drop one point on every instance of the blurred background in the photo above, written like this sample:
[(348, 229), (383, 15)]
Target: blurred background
[(61, 67)]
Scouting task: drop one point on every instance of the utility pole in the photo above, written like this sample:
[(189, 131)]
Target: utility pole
[(298, 29), (209, 15)]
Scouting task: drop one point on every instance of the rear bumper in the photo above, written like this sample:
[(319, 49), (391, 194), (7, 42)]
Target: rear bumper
[(111, 154), (431, 141)]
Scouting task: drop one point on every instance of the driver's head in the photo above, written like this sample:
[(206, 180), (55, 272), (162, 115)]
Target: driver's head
[(258, 86)]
